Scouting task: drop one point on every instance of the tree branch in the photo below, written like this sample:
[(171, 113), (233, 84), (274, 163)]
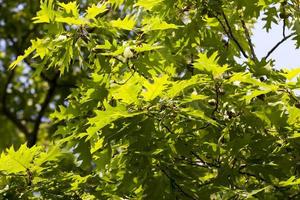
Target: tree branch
[(278, 44), (32, 137), (284, 28), (257, 177), (5, 109), (173, 181), (230, 34), (254, 57)]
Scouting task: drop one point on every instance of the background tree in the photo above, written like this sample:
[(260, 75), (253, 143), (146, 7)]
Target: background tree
[(146, 100)]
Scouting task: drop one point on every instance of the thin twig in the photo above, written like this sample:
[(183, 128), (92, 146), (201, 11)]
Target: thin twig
[(192, 152), (284, 16), (230, 34), (250, 43), (125, 80), (173, 181), (284, 27), (256, 176), (217, 99), (278, 44)]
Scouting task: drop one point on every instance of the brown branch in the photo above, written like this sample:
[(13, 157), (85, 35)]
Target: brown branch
[(278, 44), (5, 109), (204, 162), (283, 15), (256, 176), (284, 28), (123, 83), (32, 137), (217, 99), (230, 34), (192, 152), (250, 43), (173, 181)]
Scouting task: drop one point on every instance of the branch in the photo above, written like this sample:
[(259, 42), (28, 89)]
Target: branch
[(204, 162), (173, 181), (249, 39), (229, 33), (123, 83), (278, 44), (294, 196), (33, 136), (217, 99), (284, 27), (5, 109), (192, 152), (257, 177)]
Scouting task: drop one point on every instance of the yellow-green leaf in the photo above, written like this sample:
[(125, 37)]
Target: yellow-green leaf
[(95, 10), (198, 114), (155, 23), (70, 8), (146, 47), (106, 117), (46, 13), (210, 65), (290, 74), (22, 57), (127, 23), (156, 88), (128, 90), (148, 4), (18, 161)]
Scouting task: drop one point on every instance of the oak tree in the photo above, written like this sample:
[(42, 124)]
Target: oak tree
[(147, 99)]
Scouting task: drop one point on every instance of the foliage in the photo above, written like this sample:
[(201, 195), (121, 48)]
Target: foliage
[(158, 106)]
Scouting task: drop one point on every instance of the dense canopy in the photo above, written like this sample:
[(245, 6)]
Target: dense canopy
[(146, 99)]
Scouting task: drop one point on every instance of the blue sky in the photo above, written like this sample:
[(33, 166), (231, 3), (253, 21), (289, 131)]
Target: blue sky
[(286, 56)]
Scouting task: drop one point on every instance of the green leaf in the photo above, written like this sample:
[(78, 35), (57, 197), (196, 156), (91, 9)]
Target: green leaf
[(46, 13), (155, 89), (22, 57), (106, 45), (291, 181), (290, 74), (41, 48), (70, 8), (156, 23), (98, 144), (104, 118), (132, 87), (117, 52), (270, 17), (145, 47), (254, 192), (148, 4), (70, 20), (198, 114), (252, 94), (295, 135), (51, 155), (210, 65), (294, 115), (127, 23), (18, 161), (179, 86), (95, 10), (194, 97)]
